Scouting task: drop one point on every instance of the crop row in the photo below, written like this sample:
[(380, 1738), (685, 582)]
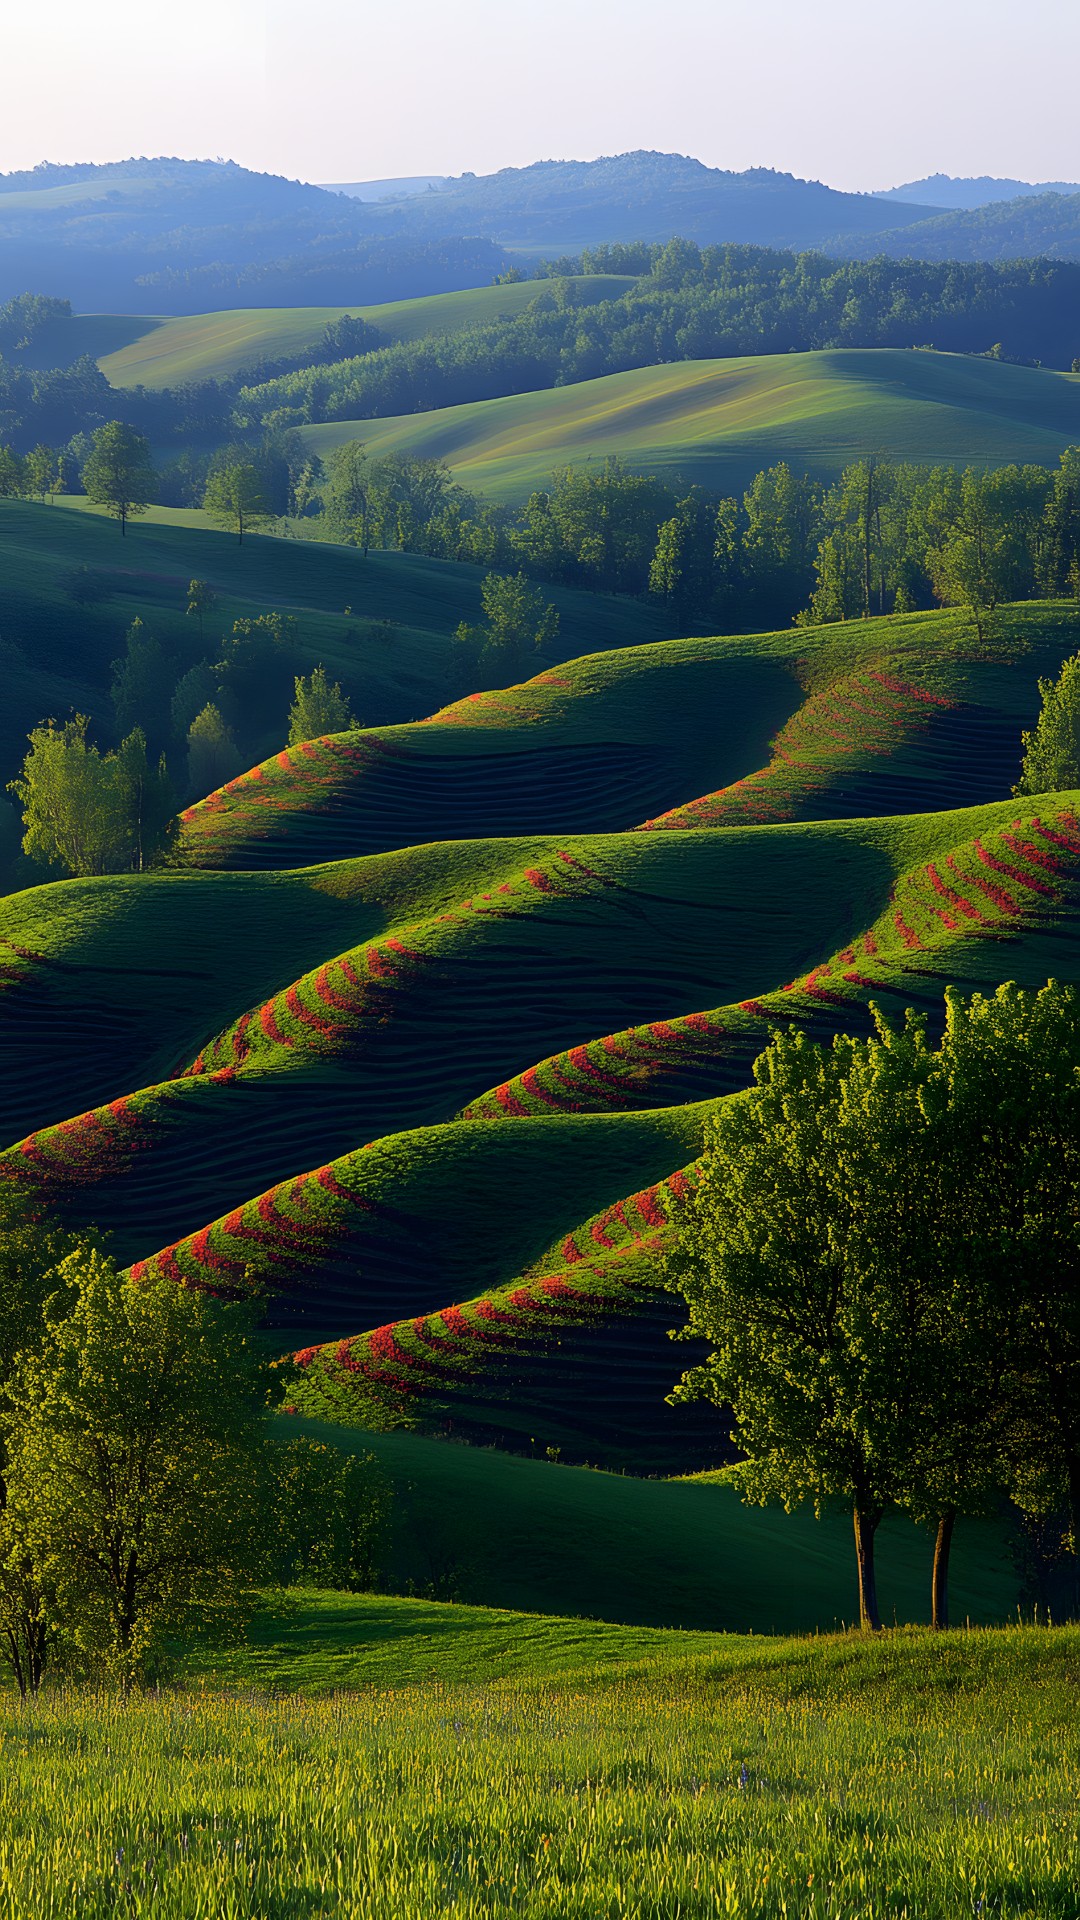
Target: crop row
[(1000, 884), (835, 733), (313, 777)]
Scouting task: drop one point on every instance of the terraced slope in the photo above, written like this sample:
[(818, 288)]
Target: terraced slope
[(442, 1102), (718, 422), (873, 717)]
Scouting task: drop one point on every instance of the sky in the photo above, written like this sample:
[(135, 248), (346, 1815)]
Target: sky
[(860, 96)]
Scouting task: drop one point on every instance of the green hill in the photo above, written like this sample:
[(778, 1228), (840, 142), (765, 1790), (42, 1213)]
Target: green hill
[(57, 654), (165, 351), (718, 422)]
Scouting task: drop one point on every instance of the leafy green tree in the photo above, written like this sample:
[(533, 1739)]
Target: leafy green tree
[(73, 800), (783, 514), (1052, 748), (118, 473), (212, 755), (195, 689), (1059, 559), (203, 599), (134, 1435), (142, 685), (12, 477), (518, 625), (822, 1257), (39, 472), (331, 1516), (149, 800), (32, 1251), (91, 812), (318, 708), (346, 499), (236, 497)]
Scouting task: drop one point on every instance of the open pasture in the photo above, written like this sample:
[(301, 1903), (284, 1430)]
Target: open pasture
[(717, 423)]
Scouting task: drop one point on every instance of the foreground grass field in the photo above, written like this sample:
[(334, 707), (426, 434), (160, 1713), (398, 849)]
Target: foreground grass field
[(718, 422), (828, 1780)]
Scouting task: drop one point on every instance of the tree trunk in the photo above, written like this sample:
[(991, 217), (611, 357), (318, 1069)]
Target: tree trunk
[(1074, 1529), (939, 1590), (866, 1526)]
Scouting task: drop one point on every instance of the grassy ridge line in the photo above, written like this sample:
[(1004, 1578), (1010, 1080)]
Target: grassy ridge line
[(999, 902), (718, 422), (890, 715), (163, 352)]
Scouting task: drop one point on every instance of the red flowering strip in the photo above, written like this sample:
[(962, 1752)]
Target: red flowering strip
[(907, 934), (1012, 873)]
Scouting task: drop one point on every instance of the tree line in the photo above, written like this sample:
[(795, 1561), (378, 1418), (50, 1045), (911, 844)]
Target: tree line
[(881, 1252), (884, 537)]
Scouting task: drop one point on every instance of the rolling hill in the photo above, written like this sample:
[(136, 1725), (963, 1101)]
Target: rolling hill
[(381, 625), (718, 422), (443, 1100), (164, 351)]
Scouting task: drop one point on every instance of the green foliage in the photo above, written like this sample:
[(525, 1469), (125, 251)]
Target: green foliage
[(237, 496), (87, 811), (518, 626), (202, 599), (118, 474), (318, 708), (142, 684), (212, 756), (195, 689), (331, 1516), (879, 1252), (1052, 748), (134, 1434)]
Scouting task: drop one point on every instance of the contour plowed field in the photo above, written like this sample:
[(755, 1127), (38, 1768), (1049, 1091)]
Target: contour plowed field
[(442, 1100)]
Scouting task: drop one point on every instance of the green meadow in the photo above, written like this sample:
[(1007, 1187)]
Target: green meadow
[(716, 423), (666, 1776)]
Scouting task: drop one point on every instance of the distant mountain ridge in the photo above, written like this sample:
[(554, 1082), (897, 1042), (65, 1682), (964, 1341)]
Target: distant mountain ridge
[(963, 193)]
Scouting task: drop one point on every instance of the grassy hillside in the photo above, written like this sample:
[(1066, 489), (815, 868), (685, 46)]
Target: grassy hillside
[(718, 422), (646, 1553), (57, 655), (870, 717), (163, 352)]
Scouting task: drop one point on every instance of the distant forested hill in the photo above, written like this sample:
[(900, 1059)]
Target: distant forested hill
[(1044, 225), (176, 236), (640, 196), (946, 190)]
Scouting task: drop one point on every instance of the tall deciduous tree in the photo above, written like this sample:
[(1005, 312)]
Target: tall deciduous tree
[(142, 684), (91, 812), (317, 708), (134, 1434), (212, 755), (118, 474), (1052, 748), (202, 599), (236, 497)]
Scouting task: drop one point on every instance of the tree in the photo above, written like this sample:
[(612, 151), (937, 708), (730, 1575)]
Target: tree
[(236, 497), (202, 599), (331, 1516), (74, 808), (212, 757), (518, 625), (822, 1257), (118, 474), (317, 708), (142, 685), (90, 812), (39, 472), (12, 477), (32, 1251), (195, 689), (149, 800), (134, 1435), (1052, 748), (346, 494)]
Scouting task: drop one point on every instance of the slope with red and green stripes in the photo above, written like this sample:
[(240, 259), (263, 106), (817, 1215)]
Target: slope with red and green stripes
[(437, 1078)]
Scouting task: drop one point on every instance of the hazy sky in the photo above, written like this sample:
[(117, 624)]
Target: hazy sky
[(854, 93)]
